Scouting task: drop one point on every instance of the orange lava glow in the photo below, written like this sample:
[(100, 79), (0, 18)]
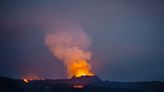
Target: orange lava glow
[(30, 78), (79, 68), (78, 86), (26, 80)]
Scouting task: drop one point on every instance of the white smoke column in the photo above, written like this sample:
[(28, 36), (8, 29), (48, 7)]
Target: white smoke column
[(70, 45)]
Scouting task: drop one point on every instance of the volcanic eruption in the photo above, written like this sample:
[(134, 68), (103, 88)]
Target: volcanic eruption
[(70, 45)]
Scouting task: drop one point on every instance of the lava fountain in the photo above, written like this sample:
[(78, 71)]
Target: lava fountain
[(71, 46)]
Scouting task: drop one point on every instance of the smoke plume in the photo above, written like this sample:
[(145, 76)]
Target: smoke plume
[(70, 45)]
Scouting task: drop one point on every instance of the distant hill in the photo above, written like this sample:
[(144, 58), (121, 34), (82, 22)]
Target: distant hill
[(81, 84)]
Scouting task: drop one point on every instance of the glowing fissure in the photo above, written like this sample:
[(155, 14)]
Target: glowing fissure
[(78, 86)]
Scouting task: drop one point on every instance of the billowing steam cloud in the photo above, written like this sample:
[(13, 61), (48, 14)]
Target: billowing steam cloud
[(70, 45)]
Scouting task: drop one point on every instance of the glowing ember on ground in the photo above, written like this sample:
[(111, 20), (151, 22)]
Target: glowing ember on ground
[(26, 80), (30, 78), (78, 86)]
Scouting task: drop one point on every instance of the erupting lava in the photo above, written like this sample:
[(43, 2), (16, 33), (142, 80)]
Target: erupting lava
[(71, 46), (26, 80), (80, 68), (29, 78)]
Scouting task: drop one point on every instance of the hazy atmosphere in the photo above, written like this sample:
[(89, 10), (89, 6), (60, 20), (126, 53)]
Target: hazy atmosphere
[(123, 40)]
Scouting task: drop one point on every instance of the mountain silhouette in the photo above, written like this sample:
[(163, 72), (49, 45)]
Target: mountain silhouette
[(80, 84)]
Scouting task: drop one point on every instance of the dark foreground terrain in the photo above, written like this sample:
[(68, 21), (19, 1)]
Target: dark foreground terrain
[(87, 84)]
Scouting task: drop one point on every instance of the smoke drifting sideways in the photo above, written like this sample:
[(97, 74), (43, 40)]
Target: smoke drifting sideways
[(70, 45)]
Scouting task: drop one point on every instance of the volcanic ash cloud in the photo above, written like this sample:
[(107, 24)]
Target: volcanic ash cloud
[(71, 47)]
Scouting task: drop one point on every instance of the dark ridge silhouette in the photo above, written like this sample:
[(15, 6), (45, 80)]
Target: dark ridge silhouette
[(88, 83)]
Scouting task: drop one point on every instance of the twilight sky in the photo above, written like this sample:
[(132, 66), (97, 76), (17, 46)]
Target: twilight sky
[(127, 37)]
